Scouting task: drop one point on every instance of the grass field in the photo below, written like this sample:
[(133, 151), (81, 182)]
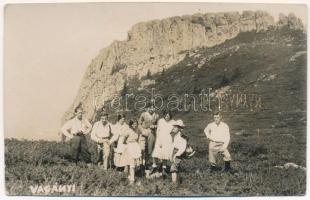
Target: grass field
[(45, 163), (272, 64)]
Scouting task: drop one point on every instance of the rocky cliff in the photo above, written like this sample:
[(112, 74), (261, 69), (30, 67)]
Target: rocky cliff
[(158, 44)]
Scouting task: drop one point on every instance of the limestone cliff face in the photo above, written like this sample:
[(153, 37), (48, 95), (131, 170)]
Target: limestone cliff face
[(157, 44)]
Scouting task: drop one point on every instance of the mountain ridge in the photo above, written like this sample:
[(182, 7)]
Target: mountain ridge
[(156, 45)]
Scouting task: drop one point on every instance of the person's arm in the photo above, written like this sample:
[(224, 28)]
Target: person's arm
[(154, 121), (93, 134), (158, 126), (66, 129), (207, 131), (114, 136), (88, 126), (141, 119), (143, 131), (181, 147), (226, 137)]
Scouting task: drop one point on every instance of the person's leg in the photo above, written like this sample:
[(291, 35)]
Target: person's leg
[(131, 176), (164, 168), (150, 143), (212, 156), (75, 148), (174, 169), (99, 153), (85, 155), (106, 153), (150, 147), (227, 159)]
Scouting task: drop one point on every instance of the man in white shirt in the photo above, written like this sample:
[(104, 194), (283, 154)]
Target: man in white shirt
[(75, 129), (101, 133), (218, 134), (147, 126)]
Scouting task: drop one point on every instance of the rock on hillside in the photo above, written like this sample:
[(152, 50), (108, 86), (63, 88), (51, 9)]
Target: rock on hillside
[(156, 45)]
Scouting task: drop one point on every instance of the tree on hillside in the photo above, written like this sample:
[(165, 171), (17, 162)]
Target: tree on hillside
[(149, 74), (163, 71)]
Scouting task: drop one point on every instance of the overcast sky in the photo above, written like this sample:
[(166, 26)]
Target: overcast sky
[(49, 46)]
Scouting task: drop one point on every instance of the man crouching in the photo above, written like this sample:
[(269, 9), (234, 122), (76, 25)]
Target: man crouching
[(179, 145), (218, 134)]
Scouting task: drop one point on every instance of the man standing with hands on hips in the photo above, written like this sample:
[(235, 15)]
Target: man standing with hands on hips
[(76, 129), (218, 134)]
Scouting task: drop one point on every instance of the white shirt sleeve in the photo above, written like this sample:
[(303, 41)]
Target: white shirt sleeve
[(207, 131), (66, 129), (181, 146), (227, 137), (115, 134), (93, 134)]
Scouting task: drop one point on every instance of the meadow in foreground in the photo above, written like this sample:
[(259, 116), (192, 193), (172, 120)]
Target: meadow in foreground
[(46, 163)]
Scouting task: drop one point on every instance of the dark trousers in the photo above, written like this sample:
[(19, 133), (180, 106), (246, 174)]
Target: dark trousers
[(79, 149), (150, 142)]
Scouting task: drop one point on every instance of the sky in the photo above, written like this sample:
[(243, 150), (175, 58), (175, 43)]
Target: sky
[(47, 48)]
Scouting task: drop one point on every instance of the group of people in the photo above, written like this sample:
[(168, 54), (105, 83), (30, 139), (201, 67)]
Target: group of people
[(149, 145)]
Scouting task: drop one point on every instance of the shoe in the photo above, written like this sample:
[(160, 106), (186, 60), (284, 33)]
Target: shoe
[(153, 171), (191, 155), (147, 174), (214, 168), (228, 168)]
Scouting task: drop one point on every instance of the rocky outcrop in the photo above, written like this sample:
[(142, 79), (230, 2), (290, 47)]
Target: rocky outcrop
[(158, 44), (290, 21)]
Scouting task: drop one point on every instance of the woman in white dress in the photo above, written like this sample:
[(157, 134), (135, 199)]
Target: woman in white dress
[(120, 132), (128, 151), (132, 154), (163, 143)]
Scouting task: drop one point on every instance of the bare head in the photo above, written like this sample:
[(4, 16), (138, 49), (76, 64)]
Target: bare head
[(217, 118), (167, 115), (104, 118), (151, 109), (133, 123), (121, 118), (79, 113)]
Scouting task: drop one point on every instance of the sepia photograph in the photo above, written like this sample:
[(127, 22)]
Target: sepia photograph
[(155, 99)]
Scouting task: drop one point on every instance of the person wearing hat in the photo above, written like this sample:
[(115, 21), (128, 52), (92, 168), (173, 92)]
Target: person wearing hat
[(218, 134), (75, 129), (101, 133), (178, 147)]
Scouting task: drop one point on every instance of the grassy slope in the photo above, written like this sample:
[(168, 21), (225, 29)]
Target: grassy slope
[(244, 60)]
